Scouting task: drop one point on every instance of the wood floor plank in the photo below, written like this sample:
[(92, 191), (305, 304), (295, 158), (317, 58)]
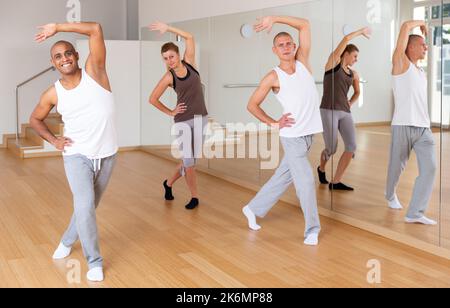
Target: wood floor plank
[(147, 242)]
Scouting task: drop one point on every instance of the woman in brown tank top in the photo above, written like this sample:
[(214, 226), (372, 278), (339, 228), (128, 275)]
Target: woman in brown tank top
[(335, 108), (184, 78)]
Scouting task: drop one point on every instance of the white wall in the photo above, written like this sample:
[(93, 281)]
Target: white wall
[(156, 126), (20, 57), (180, 10), (124, 67)]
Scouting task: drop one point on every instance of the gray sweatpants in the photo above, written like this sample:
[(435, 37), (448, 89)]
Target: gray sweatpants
[(294, 168), (405, 139), (335, 121), (191, 140), (88, 180)]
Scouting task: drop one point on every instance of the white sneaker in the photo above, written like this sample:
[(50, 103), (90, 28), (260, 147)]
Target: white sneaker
[(395, 204), (62, 252), (422, 220), (95, 274), (312, 240), (251, 217)]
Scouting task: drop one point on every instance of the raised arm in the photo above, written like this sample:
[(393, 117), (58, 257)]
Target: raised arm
[(399, 60), (47, 102), (189, 55), (155, 98), (335, 57), (258, 97), (96, 62), (303, 27)]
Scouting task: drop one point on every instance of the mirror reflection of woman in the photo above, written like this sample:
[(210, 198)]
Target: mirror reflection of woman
[(336, 107), (184, 78)]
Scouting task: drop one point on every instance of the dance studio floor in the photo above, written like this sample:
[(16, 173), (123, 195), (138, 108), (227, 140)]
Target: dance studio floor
[(147, 242)]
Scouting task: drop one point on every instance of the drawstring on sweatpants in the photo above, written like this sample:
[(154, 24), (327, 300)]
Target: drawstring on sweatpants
[(97, 164)]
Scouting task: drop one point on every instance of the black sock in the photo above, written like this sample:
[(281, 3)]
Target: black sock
[(193, 204), (322, 176), (169, 196), (340, 186)]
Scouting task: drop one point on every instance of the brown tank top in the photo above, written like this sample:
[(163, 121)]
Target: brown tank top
[(336, 85), (190, 92)]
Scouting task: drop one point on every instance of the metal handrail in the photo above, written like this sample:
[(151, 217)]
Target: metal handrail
[(249, 85), (17, 97), (237, 86), (254, 85)]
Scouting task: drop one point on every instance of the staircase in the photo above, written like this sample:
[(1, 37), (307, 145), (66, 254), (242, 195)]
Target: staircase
[(30, 144)]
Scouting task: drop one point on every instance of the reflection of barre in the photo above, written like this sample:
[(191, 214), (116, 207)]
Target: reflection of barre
[(254, 85), (236, 86), (361, 81)]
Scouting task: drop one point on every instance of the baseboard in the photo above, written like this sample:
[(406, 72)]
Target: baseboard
[(371, 124), (130, 149), (42, 154), (59, 154), (360, 224), (4, 140), (155, 147)]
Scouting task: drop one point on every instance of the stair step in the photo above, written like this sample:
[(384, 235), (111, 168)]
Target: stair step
[(23, 143), (30, 140), (55, 125), (33, 136), (54, 115)]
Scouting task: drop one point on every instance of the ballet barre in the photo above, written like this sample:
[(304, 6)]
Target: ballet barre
[(254, 85)]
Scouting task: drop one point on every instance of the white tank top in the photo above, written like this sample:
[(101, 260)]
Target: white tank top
[(411, 98), (298, 95), (88, 113)]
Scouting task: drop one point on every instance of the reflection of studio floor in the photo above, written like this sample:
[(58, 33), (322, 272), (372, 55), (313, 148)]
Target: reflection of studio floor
[(147, 243), (367, 174)]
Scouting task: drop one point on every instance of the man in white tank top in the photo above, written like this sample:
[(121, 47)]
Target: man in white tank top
[(293, 84), (89, 144), (411, 124)]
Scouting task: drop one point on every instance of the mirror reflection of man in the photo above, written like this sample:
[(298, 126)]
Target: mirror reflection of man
[(411, 124)]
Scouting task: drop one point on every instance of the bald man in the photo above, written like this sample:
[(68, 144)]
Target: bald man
[(83, 97), (411, 124), (293, 84)]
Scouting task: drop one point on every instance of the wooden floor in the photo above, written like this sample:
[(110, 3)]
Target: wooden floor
[(149, 243), (367, 174)]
